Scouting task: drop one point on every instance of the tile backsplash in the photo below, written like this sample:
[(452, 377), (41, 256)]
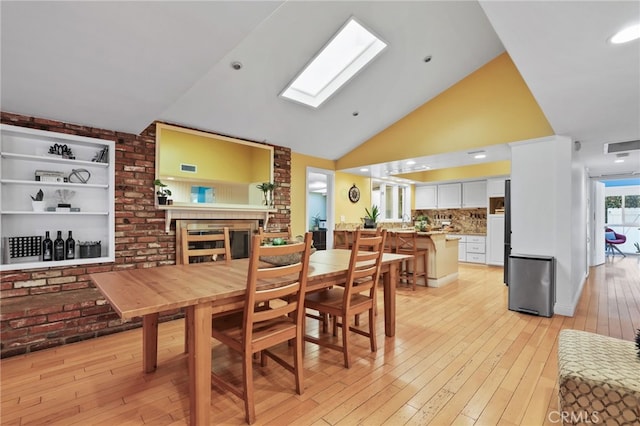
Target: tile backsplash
[(472, 221)]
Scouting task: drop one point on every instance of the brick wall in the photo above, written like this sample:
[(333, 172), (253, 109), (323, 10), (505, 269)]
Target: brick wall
[(48, 307)]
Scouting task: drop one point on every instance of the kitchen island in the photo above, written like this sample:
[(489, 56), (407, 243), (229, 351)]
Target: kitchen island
[(442, 261)]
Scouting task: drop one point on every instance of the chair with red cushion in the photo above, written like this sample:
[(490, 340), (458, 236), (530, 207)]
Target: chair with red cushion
[(612, 239)]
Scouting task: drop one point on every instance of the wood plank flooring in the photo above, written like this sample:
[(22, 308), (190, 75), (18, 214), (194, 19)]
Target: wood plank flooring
[(459, 357)]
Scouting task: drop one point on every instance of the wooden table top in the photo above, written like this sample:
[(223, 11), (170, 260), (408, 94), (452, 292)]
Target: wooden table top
[(137, 292)]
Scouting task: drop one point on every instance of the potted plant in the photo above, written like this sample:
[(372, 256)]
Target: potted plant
[(422, 223), (162, 192), (37, 201), (267, 190), (371, 217), (316, 221)]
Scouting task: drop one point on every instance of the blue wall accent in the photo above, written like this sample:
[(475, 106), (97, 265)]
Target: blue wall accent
[(622, 182), (317, 204)]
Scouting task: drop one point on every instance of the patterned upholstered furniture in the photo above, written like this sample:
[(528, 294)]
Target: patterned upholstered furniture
[(599, 379)]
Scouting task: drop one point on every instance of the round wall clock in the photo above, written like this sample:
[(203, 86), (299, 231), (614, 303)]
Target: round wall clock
[(354, 194)]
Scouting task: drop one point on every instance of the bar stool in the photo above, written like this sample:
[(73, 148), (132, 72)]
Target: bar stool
[(342, 239), (407, 243)]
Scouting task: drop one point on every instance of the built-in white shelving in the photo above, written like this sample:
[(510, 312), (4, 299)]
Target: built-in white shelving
[(24, 151)]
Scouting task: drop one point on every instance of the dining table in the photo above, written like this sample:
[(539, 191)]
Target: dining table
[(206, 289)]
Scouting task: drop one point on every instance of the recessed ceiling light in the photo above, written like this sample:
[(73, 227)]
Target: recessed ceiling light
[(350, 50), (355, 113), (478, 154), (427, 58), (364, 169), (627, 34), (410, 163), (619, 160), (236, 65)]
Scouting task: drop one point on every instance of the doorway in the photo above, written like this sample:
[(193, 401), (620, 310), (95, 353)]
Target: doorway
[(320, 203)]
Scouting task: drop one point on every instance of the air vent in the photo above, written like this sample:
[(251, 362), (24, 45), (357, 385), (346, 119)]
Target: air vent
[(612, 148), (189, 168)]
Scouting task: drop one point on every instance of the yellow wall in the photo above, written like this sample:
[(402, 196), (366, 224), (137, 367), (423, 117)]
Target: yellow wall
[(491, 106), (352, 212), (217, 158), (496, 168), (343, 181)]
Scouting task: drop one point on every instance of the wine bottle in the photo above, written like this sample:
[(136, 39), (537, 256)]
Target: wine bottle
[(70, 247), (58, 247), (47, 248)]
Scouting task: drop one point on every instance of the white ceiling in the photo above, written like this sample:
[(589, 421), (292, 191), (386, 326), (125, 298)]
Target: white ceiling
[(122, 65)]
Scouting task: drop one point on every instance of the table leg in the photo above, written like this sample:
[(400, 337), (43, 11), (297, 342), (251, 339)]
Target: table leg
[(150, 342), (390, 280), (199, 363)]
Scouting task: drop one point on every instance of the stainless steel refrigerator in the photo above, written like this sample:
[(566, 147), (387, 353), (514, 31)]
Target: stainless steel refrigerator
[(507, 229)]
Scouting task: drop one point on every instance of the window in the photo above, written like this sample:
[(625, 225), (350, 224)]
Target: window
[(393, 200), (622, 214), (623, 208), (350, 50)]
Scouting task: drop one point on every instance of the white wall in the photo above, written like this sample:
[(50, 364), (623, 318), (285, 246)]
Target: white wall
[(548, 204)]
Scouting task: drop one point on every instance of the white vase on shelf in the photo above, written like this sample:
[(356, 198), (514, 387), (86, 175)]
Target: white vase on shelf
[(38, 206)]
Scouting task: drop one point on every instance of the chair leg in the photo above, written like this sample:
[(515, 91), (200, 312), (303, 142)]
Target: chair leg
[(618, 250), (345, 342), (298, 365), (414, 275), (247, 372), (372, 331)]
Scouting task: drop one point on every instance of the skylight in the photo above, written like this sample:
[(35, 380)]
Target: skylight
[(350, 50)]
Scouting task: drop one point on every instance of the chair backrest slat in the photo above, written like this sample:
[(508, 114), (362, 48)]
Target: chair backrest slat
[(196, 245), (267, 283), (364, 264)]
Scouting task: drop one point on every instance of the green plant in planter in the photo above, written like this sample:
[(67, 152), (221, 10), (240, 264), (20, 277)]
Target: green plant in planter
[(39, 196), (371, 216), (316, 221), (162, 192), (267, 189)]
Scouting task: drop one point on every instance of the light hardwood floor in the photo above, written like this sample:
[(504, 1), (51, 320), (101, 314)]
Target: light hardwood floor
[(459, 357)]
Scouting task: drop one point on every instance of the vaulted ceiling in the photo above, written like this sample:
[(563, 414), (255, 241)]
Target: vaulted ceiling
[(122, 65)]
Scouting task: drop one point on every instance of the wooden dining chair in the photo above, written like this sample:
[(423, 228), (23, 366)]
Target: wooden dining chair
[(406, 242), (198, 247), (356, 297), (273, 314), (270, 234)]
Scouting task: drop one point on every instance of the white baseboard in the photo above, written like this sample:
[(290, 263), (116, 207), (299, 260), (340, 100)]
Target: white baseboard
[(570, 310), (440, 282)]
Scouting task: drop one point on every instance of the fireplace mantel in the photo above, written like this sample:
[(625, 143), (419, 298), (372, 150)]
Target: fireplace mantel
[(215, 211)]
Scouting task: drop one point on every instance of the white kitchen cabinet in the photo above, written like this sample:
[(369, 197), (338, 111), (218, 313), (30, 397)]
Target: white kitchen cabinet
[(426, 197), (462, 248), (84, 178), (495, 187), (474, 248), (495, 239), (450, 195), (474, 194)]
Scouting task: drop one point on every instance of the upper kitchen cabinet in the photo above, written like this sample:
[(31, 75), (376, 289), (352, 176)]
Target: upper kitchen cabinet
[(495, 187), (450, 196), (474, 194), (426, 197)]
